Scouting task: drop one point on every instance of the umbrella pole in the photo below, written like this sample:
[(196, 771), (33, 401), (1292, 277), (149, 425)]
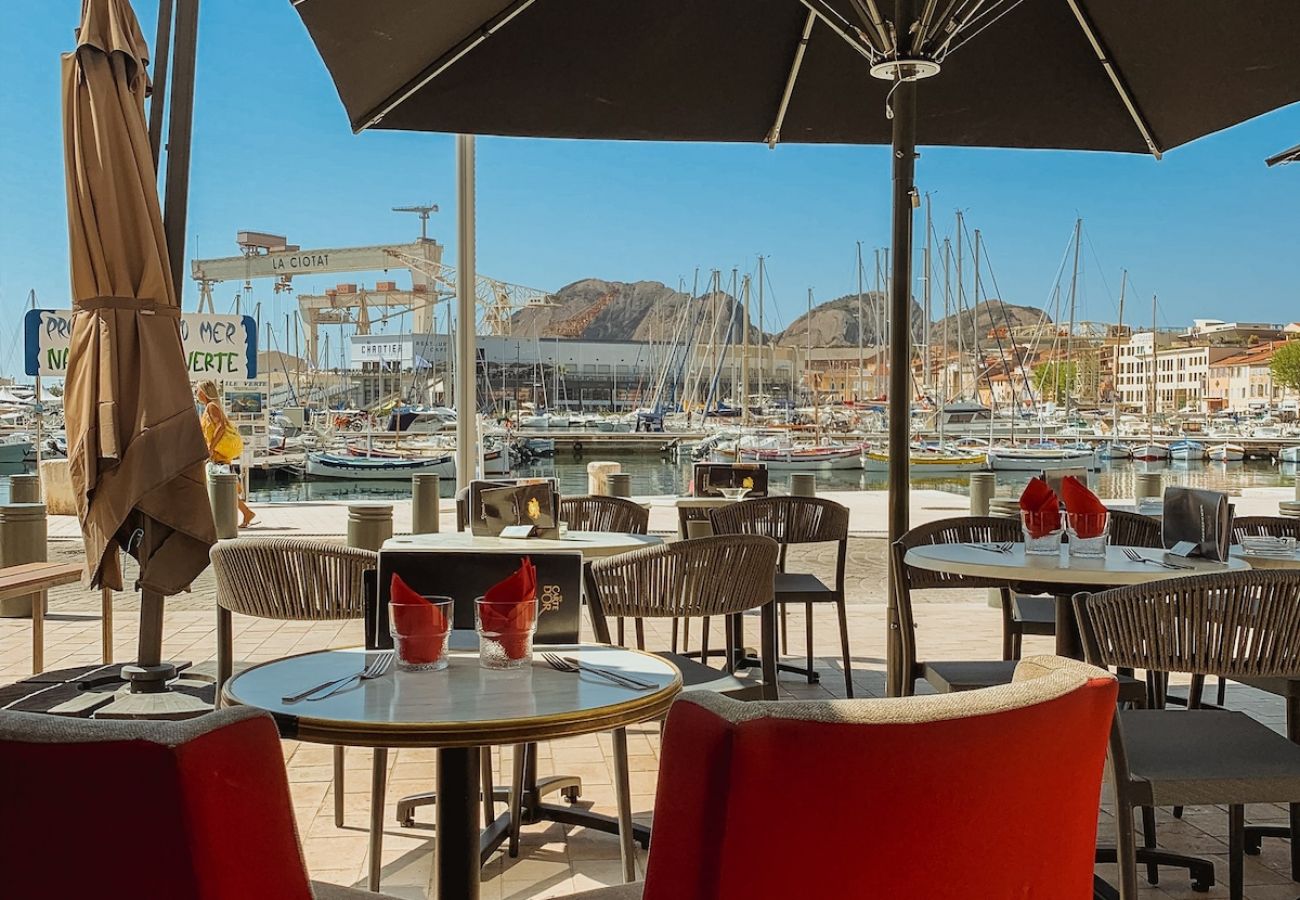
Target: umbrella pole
[(149, 674), (900, 353)]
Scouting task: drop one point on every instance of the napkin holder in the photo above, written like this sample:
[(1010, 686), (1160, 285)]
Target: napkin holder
[(1196, 523), (532, 505)]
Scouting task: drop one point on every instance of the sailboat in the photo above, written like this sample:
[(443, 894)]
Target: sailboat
[(1227, 452), (1113, 450), (1187, 451), (1152, 451)]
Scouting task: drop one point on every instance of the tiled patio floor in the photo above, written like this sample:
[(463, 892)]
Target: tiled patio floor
[(556, 860)]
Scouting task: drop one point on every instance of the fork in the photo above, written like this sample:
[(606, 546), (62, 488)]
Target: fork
[(563, 664), (376, 668), (1138, 557), (1000, 547)]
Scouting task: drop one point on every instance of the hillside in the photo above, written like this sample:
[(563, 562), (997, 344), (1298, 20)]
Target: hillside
[(618, 311), (984, 318), (835, 323)]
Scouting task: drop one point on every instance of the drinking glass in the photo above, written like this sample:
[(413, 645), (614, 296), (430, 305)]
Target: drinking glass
[(1042, 532), (420, 636), (505, 633), (1096, 526)]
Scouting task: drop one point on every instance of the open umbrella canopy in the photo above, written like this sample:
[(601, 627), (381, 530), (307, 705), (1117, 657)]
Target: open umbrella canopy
[(136, 453), (1069, 74)]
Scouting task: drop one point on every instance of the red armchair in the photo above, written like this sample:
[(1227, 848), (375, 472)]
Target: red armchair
[(194, 810), (989, 793)]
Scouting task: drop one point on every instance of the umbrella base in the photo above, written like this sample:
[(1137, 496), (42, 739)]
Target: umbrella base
[(102, 692), (148, 679)]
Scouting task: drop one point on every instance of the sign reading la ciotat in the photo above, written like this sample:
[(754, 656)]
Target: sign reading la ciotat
[(216, 347)]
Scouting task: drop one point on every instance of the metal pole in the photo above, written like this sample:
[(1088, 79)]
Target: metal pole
[(861, 324), (744, 361), (179, 131), (158, 102), (900, 338), (466, 333)]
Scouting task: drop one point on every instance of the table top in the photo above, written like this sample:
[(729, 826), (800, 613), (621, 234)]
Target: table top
[(464, 705), (1015, 566), (1267, 560), (592, 544)]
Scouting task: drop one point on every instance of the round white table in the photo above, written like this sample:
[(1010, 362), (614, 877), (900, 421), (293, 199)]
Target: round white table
[(1061, 575), (457, 711), (592, 544)]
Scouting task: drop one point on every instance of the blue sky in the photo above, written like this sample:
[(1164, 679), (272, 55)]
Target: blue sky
[(1209, 228)]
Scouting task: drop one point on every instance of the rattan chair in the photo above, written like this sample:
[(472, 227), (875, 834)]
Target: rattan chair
[(1242, 625), (293, 580), (713, 576), (1264, 526), (798, 520), (597, 513)]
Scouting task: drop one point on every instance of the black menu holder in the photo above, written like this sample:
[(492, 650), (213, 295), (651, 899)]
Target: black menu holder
[(1197, 523), (465, 575), (708, 479)]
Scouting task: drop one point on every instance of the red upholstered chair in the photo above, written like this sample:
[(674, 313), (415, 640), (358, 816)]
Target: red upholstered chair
[(986, 793), (194, 810)]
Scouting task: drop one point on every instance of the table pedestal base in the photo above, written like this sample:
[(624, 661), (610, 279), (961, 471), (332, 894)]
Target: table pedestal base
[(1201, 870)]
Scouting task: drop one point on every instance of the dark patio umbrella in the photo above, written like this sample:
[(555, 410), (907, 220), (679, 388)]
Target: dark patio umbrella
[(1067, 74), (135, 451)]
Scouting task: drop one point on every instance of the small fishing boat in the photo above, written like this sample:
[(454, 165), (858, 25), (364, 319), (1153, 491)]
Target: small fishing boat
[(1226, 453), (800, 458), (360, 468), (1115, 451), (1037, 459), (1151, 452), (1187, 451), (1289, 455), (922, 462)]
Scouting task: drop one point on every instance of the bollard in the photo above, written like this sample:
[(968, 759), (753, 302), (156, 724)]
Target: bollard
[(1148, 486), (369, 525), (982, 486), (619, 484), (803, 484), (223, 494), (424, 503), (22, 540), (597, 473), (24, 489)]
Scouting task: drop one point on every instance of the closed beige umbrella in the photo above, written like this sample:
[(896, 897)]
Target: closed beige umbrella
[(136, 453)]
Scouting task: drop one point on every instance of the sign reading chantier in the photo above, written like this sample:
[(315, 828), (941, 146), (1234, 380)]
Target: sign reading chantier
[(216, 347)]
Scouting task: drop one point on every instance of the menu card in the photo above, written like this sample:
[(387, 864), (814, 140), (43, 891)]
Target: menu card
[(474, 501), (709, 478), (528, 505), (1197, 523)]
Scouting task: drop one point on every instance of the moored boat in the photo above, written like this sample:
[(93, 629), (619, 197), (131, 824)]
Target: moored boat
[(1115, 451), (1036, 459), (1289, 455), (360, 468), (1227, 452), (1151, 452), (800, 458), (1187, 451), (923, 461)]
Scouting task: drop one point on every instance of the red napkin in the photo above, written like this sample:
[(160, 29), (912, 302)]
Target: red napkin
[(1042, 501), (420, 624), (1088, 514), (509, 607)]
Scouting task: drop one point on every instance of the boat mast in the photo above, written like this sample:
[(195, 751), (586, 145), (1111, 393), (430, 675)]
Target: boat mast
[(1119, 334), (1069, 334), (861, 323), (744, 358), (961, 293), (812, 386), (947, 302), (880, 331), (926, 373), (1155, 377), (761, 336)]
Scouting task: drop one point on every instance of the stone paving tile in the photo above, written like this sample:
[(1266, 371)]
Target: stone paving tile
[(557, 860)]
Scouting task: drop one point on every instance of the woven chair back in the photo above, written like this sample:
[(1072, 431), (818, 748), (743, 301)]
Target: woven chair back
[(712, 576), (1238, 625), (291, 578)]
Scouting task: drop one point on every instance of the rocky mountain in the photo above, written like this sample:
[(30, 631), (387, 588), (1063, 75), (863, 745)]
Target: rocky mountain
[(984, 319), (619, 311), (835, 323)]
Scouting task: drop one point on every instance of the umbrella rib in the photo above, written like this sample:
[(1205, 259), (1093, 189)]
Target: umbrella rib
[(860, 42), (440, 65), (1286, 156), (774, 135), (1116, 78)]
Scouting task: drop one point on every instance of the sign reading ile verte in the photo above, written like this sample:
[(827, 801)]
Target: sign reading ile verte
[(216, 347)]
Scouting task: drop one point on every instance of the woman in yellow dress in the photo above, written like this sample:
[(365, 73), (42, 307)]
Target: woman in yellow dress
[(224, 441)]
